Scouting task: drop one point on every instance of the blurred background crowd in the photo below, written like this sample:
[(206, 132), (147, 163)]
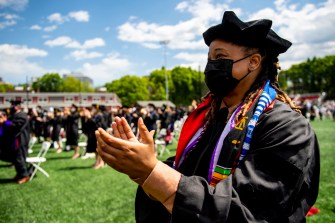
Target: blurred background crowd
[(315, 110), (73, 129)]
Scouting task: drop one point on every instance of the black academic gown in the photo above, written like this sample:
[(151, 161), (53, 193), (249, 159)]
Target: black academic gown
[(90, 125), (56, 123), (71, 128), (276, 182), (21, 131)]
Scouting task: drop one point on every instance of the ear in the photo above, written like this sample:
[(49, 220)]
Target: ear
[(255, 61)]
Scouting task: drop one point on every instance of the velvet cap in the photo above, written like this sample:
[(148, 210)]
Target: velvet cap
[(256, 33)]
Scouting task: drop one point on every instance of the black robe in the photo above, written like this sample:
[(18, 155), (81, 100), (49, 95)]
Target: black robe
[(89, 127), (276, 182), (71, 128), (56, 123), (20, 129)]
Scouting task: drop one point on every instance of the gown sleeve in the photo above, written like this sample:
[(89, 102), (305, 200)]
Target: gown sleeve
[(276, 182)]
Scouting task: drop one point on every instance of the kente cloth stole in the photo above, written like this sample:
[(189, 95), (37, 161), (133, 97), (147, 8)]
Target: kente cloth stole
[(233, 145)]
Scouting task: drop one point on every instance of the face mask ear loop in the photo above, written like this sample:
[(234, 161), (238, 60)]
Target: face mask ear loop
[(245, 76), (242, 58)]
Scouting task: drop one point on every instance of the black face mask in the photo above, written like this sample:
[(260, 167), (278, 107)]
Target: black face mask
[(219, 78)]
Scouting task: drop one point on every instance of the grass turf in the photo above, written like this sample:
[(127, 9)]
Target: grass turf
[(77, 193)]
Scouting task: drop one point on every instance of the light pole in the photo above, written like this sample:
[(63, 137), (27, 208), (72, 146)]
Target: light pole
[(165, 43), (79, 91), (27, 93)]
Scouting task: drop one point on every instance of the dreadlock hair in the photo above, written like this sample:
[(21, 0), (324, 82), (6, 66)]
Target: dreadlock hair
[(269, 71)]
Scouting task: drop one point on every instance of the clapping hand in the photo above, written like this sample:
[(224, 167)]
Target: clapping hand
[(125, 153)]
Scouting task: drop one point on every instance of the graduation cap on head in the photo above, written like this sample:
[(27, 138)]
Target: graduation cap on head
[(152, 105), (256, 33), (163, 107), (75, 106), (102, 107), (96, 106), (15, 102)]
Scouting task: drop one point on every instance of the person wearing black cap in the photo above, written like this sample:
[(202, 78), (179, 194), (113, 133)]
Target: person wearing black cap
[(245, 154), (21, 131)]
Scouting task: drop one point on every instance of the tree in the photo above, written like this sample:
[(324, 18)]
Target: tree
[(72, 84), (315, 75), (130, 89), (48, 83), (184, 85), (156, 85), (182, 79), (4, 87), (187, 84)]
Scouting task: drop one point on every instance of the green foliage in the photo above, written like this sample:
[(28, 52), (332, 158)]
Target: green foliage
[(314, 75), (184, 85), (187, 82), (54, 83), (48, 83), (72, 84), (4, 87), (156, 85), (129, 89), (282, 79)]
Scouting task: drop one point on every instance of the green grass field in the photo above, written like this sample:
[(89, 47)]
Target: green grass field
[(77, 193)]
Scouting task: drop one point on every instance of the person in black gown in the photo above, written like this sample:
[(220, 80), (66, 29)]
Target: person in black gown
[(92, 120), (57, 123), (21, 131), (71, 126), (245, 154)]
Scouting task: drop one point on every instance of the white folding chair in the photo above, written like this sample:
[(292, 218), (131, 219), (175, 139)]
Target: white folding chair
[(82, 142), (161, 143), (40, 158), (161, 146), (31, 144)]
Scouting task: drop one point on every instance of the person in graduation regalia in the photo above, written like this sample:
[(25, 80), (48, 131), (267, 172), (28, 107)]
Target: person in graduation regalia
[(245, 154), (71, 126), (92, 119), (21, 131), (57, 123)]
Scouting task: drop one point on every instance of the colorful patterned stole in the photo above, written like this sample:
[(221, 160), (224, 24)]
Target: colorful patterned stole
[(234, 142)]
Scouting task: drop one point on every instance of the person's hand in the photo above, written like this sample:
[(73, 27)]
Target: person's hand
[(122, 130), (125, 153)]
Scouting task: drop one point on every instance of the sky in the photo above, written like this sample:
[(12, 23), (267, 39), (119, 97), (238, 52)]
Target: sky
[(107, 39)]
